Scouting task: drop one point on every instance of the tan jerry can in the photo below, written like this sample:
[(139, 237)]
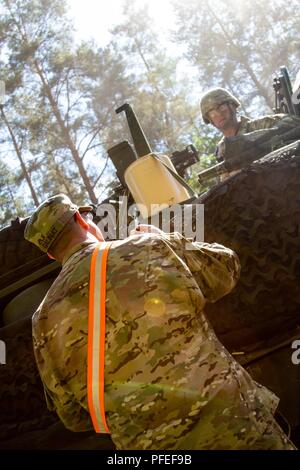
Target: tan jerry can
[(152, 186)]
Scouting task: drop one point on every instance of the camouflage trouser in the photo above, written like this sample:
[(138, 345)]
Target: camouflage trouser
[(272, 439), (237, 420)]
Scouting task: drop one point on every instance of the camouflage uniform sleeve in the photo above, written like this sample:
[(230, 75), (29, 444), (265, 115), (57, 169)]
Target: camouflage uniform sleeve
[(265, 122), (73, 416), (58, 398), (215, 268)]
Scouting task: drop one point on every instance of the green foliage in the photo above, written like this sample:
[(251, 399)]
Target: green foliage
[(160, 98), (62, 96), (11, 205), (241, 45), (206, 145)]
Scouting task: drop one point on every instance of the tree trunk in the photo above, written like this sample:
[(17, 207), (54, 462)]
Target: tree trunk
[(66, 134), (19, 155)]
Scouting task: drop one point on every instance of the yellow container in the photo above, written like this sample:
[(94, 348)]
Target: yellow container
[(152, 185)]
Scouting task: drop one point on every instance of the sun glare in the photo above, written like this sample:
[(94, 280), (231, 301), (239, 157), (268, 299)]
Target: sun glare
[(94, 18)]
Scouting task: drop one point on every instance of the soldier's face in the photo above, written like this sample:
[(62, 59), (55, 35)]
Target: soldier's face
[(223, 117)]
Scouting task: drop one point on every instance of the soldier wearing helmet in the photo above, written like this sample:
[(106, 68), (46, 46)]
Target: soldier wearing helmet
[(162, 378), (219, 108)]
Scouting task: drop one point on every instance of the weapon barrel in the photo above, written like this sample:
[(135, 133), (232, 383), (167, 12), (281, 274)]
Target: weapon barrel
[(140, 141), (287, 90), (241, 151), (286, 77), (211, 172)]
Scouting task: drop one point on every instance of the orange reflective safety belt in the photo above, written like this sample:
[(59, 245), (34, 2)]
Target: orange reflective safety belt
[(96, 338)]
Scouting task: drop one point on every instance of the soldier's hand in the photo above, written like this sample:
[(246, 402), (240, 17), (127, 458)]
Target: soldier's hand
[(144, 228)]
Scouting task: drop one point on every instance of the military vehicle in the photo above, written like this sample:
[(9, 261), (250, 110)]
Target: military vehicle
[(256, 212)]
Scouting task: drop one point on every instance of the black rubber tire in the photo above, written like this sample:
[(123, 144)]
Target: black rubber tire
[(14, 249)]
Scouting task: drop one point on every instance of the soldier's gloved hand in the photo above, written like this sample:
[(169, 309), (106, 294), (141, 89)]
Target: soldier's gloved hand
[(144, 228)]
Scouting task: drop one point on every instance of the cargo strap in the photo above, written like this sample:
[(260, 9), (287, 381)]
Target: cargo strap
[(96, 337), (176, 176)]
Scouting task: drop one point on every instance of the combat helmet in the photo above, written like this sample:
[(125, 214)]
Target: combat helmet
[(49, 220), (213, 98)]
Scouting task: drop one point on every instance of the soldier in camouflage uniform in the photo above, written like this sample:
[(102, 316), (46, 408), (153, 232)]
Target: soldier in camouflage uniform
[(169, 383), (219, 108)]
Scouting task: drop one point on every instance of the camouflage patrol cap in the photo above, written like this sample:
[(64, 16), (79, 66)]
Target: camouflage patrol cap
[(49, 220), (213, 98)]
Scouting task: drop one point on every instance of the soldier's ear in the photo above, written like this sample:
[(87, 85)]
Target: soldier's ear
[(81, 221)]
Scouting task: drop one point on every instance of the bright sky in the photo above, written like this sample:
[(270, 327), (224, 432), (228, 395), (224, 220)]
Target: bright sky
[(94, 18)]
